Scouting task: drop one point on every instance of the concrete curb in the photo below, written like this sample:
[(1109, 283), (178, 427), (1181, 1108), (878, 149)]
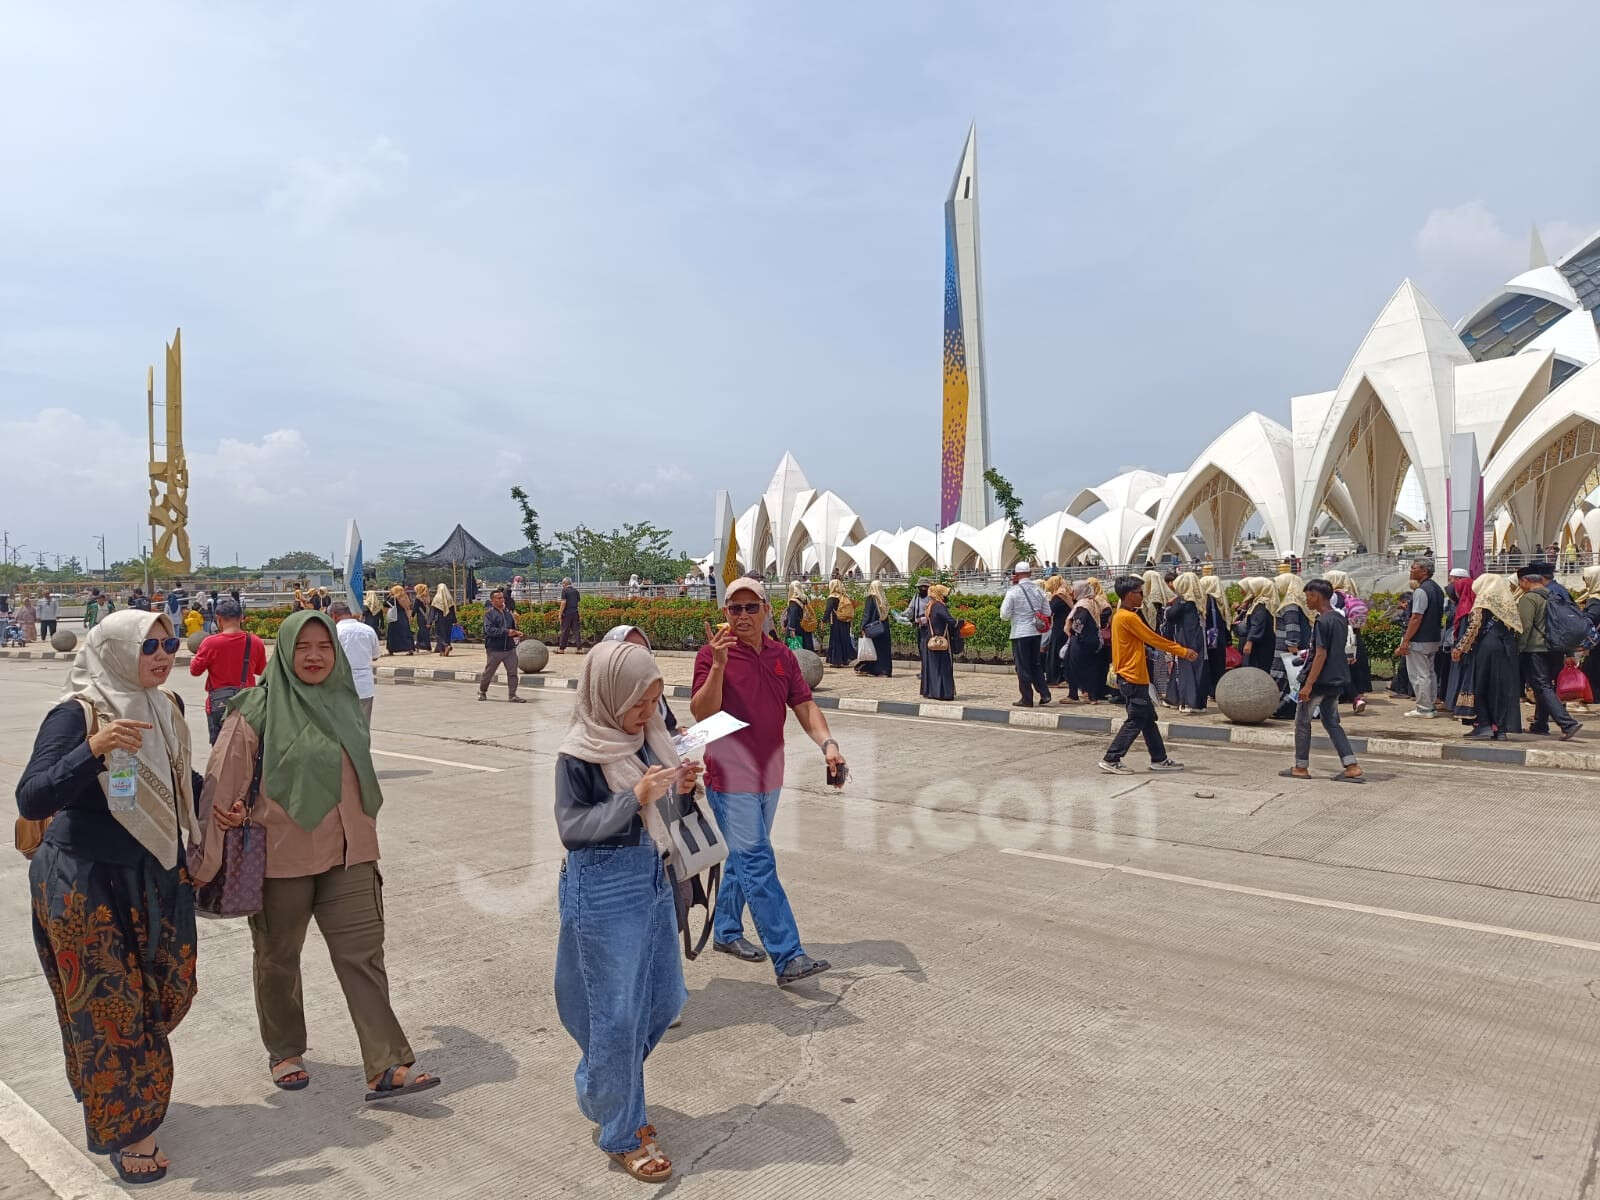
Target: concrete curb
[(1023, 718)]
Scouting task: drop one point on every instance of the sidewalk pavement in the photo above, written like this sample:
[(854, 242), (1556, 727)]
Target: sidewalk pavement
[(985, 694)]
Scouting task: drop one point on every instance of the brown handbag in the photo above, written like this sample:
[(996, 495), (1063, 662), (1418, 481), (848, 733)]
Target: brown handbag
[(239, 860), (28, 834)]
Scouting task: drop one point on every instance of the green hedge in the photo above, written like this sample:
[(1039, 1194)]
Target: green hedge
[(673, 624)]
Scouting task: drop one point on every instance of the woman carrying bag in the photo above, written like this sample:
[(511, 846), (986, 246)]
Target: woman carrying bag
[(941, 673), (875, 633), (443, 612), (113, 912), (619, 981), (317, 804), (797, 615), (840, 611)]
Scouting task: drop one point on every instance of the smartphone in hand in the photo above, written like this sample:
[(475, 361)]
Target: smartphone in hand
[(838, 774)]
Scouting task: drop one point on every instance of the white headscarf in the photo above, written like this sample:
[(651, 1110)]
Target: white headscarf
[(106, 674), (1494, 594), (1290, 592), (615, 677), (443, 601), (1187, 586)]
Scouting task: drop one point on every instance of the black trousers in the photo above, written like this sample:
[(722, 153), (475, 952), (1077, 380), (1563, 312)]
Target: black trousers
[(47, 628), (1141, 719), (1030, 669), (570, 630), (1539, 674)]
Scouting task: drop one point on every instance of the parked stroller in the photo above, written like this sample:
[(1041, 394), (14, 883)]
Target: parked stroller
[(10, 632)]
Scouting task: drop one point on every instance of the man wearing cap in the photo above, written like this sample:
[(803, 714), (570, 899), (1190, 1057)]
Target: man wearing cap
[(1539, 664), (230, 659), (746, 674), (1022, 606)]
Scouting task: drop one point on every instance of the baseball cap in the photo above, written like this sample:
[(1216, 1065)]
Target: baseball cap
[(746, 584)]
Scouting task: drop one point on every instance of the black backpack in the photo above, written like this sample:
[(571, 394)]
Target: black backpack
[(1565, 627)]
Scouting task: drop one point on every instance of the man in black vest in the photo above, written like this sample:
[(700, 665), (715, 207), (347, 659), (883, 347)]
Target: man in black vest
[(1424, 631), (571, 630)]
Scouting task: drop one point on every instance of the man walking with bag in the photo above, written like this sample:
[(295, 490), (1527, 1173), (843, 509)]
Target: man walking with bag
[(1540, 664), (230, 659), (1029, 613)]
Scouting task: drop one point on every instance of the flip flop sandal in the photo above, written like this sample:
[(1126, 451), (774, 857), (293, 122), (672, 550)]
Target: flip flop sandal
[(286, 1068), (388, 1090), (646, 1163), (1343, 778), (137, 1178)]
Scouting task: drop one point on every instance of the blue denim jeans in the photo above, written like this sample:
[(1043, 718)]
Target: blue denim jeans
[(750, 876), (619, 980)]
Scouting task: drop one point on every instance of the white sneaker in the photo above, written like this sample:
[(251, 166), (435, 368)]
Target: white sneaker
[(1420, 712), (1166, 765), (1113, 768)]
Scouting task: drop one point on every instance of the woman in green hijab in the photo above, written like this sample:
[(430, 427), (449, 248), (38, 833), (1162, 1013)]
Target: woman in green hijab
[(317, 804)]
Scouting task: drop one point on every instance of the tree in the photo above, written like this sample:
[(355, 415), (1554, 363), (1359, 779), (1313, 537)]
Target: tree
[(297, 560), (637, 548), (530, 530), (390, 563), (1011, 506)]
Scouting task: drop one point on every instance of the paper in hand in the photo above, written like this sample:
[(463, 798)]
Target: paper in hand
[(697, 737)]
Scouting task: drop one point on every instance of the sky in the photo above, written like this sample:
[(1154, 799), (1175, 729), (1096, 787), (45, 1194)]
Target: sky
[(626, 254)]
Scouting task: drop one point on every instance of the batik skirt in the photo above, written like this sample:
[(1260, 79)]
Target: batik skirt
[(117, 944)]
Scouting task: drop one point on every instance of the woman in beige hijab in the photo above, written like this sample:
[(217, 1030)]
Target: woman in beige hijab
[(875, 628), (619, 981), (1184, 622), (1258, 638), (424, 613), (113, 912), (1294, 620), (841, 646), (1490, 647), (443, 614)]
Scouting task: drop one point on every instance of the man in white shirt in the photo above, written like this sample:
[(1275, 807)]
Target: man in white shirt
[(360, 645), (49, 609), (1024, 604)]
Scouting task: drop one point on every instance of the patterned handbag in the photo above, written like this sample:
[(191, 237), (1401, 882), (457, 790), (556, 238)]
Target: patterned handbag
[(236, 889)]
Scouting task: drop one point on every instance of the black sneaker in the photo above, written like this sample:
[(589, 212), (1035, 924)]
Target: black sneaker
[(802, 966), (1166, 764), (516, 700), (741, 948)]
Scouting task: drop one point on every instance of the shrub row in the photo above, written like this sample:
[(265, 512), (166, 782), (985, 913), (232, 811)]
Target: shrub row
[(673, 624)]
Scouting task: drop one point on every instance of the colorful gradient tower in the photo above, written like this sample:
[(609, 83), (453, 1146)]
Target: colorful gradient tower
[(964, 433)]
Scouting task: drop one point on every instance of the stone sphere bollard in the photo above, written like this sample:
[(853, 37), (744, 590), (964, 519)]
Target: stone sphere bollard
[(532, 656), (810, 667), (1247, 695), (195, 638), (64, 640)]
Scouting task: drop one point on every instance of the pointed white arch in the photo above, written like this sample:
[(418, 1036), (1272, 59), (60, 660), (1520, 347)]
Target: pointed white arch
[(1391, 410), (1545, 462), (1248, 468)]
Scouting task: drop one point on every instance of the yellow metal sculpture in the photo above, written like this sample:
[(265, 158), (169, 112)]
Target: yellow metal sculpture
[(169, 470)]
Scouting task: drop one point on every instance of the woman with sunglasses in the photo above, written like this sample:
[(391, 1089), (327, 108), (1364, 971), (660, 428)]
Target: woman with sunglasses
[(113, 913), (317, 804)]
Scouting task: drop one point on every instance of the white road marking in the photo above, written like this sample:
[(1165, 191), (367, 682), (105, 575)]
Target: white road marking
[(66, 1170), (1548, 939), (440, 762)]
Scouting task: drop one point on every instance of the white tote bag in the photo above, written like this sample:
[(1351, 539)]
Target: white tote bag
[(866, 651)]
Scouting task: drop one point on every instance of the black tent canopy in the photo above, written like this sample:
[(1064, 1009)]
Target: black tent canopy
[(460, 552)]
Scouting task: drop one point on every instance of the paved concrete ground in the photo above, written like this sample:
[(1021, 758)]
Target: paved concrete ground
[(1218, 984)]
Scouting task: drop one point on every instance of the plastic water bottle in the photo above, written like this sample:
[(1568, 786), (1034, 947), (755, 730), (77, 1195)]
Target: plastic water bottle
[(123, 789)]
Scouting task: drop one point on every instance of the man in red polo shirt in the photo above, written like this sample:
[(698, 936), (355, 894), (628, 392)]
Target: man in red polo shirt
[(230, 659), (744, 673)]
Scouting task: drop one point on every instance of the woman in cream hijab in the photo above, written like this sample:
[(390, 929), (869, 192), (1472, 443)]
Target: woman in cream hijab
[(443, 614), (841, 647), (113, 913), (877, 611), (1184, 623), (424, 617), (619, 980), (1219, 629), (1257, 636), (1489, 646), (794, 617), (1294, 621)]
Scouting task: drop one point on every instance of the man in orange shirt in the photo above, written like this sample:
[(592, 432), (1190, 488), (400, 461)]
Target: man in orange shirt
[(1129, 636)]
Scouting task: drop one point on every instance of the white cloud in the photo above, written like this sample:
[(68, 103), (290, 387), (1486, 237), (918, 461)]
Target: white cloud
[(274, 470), (320, 191), (667, 477)]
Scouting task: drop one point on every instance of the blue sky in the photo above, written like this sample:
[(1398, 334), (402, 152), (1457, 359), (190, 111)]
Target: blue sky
[(626, 254)]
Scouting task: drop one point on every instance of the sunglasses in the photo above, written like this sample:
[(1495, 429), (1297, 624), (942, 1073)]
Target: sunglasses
[(748, 609), (170, 645)]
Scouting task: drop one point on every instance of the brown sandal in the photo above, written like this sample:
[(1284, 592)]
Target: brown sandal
[(646, 1163)]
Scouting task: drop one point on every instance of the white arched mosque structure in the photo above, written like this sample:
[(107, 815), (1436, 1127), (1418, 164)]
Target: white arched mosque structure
[(1520, 374)]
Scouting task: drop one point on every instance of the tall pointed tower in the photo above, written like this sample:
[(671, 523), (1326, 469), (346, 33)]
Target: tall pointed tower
[(964, 457)]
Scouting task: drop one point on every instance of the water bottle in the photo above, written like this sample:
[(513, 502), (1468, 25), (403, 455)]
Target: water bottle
[(123, 789)]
